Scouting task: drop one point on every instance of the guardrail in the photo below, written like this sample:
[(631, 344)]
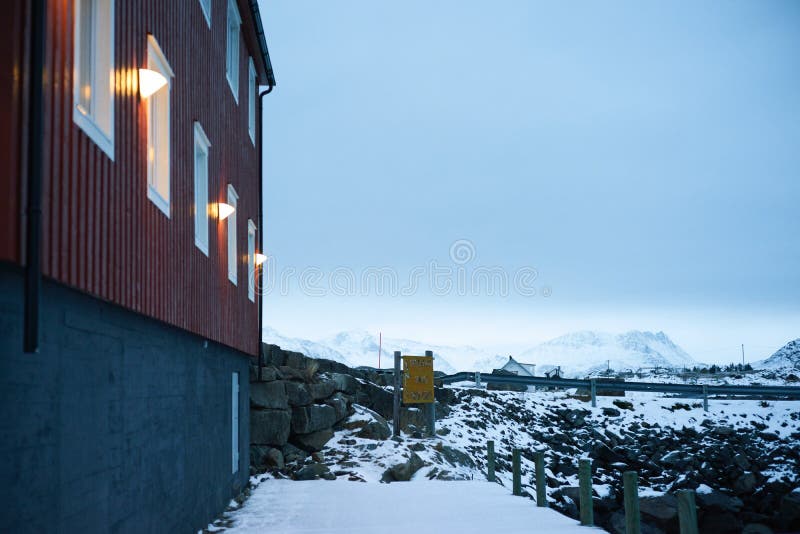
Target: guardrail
[(792, 392)]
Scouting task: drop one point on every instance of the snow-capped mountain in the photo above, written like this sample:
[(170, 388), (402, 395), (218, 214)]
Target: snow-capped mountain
[(580, 353), (309, 348), (787, 357), (357, 347)]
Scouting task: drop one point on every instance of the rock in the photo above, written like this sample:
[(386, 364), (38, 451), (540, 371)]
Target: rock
[(375, 398), (742, 461), (675, 459), (723, 431), (617, 525), (270, 427), (293, 454), (307, 419), (623, 405), (344, 383), (268, 374), (789, 512), (756, 528), (456, 457), (339, 404), (720, 523), (297, 394), (404, 471), (378, 430), (321, 390), (314, 441), (311, 472), (661, 507), (412, 417), (719, 501), (275, 459), (270, 395), (290, 373), (745, 483), (611, 412), (258, 456)]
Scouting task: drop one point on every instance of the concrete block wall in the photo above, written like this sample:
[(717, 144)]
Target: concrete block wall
[(119, 424)]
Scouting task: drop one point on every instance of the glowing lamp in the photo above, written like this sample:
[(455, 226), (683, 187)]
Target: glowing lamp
[(224, 210), (260, 258), (150, 81)]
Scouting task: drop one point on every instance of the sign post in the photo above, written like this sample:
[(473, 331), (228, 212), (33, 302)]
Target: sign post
[(418, 385), (398, 380)]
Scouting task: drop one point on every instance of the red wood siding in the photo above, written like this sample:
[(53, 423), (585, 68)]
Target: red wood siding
[(100, 232)]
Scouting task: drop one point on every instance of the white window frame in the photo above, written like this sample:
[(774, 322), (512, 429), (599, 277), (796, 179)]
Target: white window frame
[(232, 38), (233, 254), (252, 94), (101, 93), (205, 7), (251, 260), (235, 422), (158, 62), (201, 145)]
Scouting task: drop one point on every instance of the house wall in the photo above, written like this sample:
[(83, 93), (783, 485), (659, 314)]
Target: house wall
[(101, 234), (119, 424)]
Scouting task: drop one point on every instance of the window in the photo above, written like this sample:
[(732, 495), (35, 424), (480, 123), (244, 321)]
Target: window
[(93, 76), (205, 6), (201, 146), (232, 53), (158, 130), (251, 102), (235, 421), (251, 260), (233, 198)]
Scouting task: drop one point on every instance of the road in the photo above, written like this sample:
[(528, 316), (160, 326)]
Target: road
[(339, 507)]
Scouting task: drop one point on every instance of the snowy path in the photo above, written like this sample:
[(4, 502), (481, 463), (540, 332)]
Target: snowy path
[(288, 507)]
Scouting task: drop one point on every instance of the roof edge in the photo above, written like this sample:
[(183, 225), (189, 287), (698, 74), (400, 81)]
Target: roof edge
[(262, 42)]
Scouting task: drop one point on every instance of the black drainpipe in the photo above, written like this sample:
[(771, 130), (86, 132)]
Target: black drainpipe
[(33, 231), (261, 223)]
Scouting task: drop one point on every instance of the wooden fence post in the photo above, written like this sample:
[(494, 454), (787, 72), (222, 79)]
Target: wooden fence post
[(585, 478), (687, 512), (515, 473), (398, 381), (541, 481), (490, 461), (630, 482), (705, 398)]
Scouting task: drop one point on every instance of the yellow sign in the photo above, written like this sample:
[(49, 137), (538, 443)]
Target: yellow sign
[(418, 379)]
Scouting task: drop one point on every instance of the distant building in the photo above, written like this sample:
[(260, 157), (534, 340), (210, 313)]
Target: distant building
[(128, 306), (521, 369)]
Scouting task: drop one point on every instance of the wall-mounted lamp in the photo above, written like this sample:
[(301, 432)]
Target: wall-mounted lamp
[(260, 258), (150, 81), (224, 210)]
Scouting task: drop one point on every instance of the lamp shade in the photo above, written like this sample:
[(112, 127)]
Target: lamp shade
[(150, 81), (224, 210)]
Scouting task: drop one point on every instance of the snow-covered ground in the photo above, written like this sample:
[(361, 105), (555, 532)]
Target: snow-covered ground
[(322, 507)]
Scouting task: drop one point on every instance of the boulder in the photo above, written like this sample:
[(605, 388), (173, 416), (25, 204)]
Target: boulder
[(293, 454), (339, 404), (270, 427), (314, 441), (456, 457), (403, 472), (719, 501), (268, 374), (321, 390), (271, 395), (375, 398), (378, 430), (274, 458), (623, 405), (311, 472), (745, 483), (789, 511), (664, 507), (344, 383), (297, 394), (611, 412), (676, 459), (307, 419)]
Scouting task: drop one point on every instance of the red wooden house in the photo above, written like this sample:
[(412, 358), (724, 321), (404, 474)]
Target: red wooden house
[(128, 301)]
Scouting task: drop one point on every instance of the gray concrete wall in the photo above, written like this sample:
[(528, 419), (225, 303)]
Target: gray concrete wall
[(119, 424)]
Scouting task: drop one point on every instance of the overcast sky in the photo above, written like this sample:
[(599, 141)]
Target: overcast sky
[(642, 157)]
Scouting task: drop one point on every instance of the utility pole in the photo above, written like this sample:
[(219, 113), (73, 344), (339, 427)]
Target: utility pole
[(380, 342), (742, 354)]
